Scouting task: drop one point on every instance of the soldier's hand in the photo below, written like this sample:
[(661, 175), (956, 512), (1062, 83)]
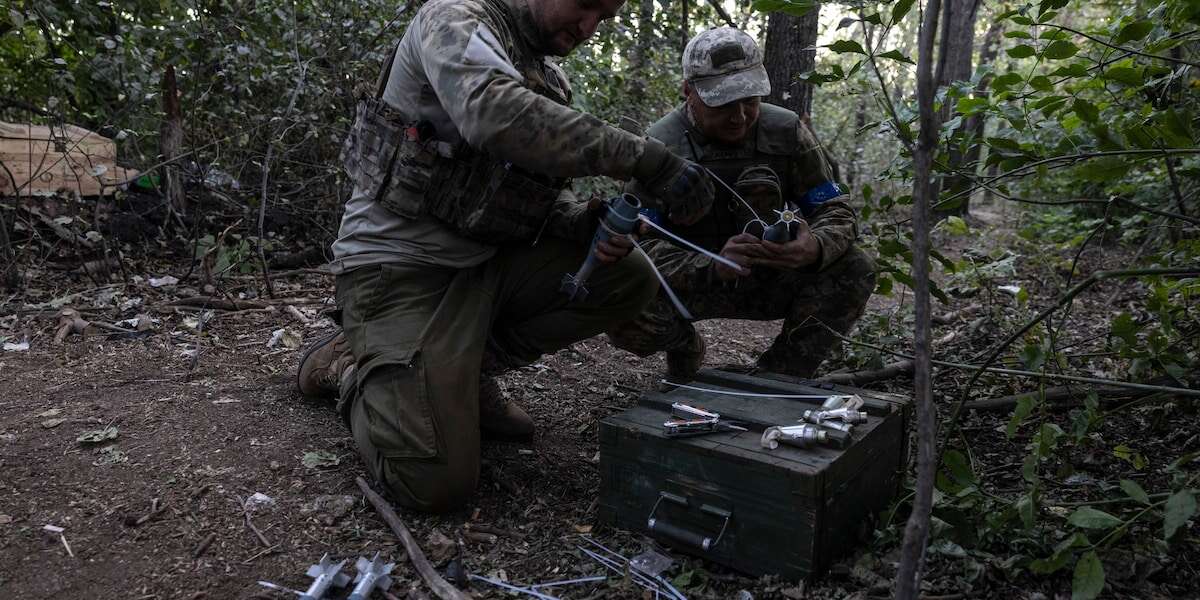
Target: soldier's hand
[(743, 249), (615, 248), (799, 253), (683, 187)]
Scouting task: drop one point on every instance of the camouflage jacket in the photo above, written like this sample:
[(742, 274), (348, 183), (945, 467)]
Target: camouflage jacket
[(466, 67), (780, 141)]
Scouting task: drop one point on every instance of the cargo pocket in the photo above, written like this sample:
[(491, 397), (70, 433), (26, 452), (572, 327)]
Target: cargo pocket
[(397, 405)]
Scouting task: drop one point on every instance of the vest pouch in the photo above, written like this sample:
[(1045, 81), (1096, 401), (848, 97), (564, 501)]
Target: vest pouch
[(493, 201), (411, 176), (370, 148)]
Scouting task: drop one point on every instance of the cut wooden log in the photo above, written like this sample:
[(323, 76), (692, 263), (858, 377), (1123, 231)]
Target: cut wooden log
[(40, 160), (888, 371)]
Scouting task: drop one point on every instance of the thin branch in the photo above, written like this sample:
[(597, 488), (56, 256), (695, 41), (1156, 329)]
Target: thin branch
[(721, 12), (1123, 48), (1095, 278), (916, 531), (1066, 158), (1178, 391)]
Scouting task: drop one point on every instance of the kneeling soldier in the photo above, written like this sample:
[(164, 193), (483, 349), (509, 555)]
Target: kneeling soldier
[(814, 278), (459, 231)]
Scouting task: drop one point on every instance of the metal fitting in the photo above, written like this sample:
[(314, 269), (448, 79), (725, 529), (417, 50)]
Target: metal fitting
[(800, 436)]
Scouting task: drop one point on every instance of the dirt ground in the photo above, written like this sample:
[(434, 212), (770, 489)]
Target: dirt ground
[(158, 511)]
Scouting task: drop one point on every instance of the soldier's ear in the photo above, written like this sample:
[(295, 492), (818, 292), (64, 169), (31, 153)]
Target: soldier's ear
[(687, 90)]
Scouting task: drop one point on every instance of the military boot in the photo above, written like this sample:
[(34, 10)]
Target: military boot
[(684, 361), (499, 417), (324, 365)]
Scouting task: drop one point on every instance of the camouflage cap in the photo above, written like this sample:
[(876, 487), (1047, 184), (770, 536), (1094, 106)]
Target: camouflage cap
[(723, 65)]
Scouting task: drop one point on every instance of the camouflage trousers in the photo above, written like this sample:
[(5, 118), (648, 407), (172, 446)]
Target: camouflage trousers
[(418, 334), (810, 304)]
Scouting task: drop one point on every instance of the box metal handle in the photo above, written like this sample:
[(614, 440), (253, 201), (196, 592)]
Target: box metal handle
[(680, 534)]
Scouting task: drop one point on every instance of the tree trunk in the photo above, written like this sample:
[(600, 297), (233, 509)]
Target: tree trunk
[(683, 29), (976, 125), (958, 30), (789, 52), (640, 61), (170, 141)]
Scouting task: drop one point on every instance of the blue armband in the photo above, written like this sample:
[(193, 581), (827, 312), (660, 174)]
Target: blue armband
[(818, 195)]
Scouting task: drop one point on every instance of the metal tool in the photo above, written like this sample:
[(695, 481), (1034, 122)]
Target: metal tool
[(851, 401), (371, 573), (620, 218), (800, 436), (325, 574), (688, 420), (839, 418)]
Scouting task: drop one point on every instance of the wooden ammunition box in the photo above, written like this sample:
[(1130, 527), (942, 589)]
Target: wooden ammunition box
[(722, 496)]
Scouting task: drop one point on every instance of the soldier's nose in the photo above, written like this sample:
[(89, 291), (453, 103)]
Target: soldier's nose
[(587, 26)]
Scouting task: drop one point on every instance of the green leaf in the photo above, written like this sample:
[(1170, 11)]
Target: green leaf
[(1021, 51), (1060, 49), (796, 8), (958, 466), (844, 46), (1085, 109), (970, 106), (1089, 577), (1006, 81), (1135, 491), (1104, 168), (1124, 327), (1087, 517), (1046, 566), (1018, 34), (1023, 409), (1177, 128), (1125, 75), (1130, 456), (1072, 70), (1033, 356), (901, 9), (1041, 83), (895, 55), (1134, 32), (1025, 508), (1180, 507), (883, 286), (955, 226)]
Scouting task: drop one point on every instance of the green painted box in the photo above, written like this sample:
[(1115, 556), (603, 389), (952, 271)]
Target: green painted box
[(791, 512)]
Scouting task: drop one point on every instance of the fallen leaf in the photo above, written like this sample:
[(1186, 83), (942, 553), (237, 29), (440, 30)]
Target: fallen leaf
[(52, 423), (226, 401), (287, 337), (439, 547), (583, 529), (165, 280), (54, 412), (110, 455), (97, 436), (16, 347), (5, 519), (320, 459)]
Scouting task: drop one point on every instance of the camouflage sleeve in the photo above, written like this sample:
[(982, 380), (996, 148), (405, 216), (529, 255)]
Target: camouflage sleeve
[(686, 272), (832, 220), (481, 90), (570, 218)]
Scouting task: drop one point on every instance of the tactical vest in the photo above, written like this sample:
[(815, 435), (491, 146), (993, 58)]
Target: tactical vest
[(772, 144), (403, 165)]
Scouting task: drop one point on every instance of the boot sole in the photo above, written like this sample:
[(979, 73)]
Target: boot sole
[(307, 353)]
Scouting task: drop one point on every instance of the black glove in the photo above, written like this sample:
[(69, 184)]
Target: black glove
[(683, 187)]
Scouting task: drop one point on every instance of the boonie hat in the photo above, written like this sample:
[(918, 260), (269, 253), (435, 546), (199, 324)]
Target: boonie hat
[(723, 65)]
